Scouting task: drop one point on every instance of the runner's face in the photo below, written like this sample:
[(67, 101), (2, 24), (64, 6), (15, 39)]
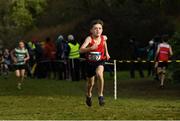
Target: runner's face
[(97, 30), (21, 45)]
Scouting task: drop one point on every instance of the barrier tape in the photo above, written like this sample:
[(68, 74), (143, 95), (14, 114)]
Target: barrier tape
[(135, 61), (111, 62), (145, 61)]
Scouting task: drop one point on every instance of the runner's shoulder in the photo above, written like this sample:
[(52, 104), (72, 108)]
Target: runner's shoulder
[(105, 37), (88, 39)]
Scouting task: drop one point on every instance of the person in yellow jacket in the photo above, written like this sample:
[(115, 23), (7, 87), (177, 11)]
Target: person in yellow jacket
[(74, 55), (31, 47)]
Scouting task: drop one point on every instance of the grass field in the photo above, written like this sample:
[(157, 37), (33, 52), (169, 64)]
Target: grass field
[(50, 99)]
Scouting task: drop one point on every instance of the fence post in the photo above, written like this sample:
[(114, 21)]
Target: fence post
[(115, 80)]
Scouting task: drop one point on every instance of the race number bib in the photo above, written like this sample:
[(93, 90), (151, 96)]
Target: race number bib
[(94, 56)]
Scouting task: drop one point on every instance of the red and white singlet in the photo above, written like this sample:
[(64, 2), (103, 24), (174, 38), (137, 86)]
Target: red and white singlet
[(164, 51), (98, 54)]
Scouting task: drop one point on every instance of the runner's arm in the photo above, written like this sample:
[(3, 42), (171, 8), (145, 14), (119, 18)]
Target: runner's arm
[(106, 48), (27, 57), (84, 48), (171, 52)]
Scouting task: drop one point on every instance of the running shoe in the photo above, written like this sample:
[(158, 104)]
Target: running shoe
[(89, 101), (101, 101)]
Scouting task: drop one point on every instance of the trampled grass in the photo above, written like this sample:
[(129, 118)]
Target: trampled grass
[(51, 99)]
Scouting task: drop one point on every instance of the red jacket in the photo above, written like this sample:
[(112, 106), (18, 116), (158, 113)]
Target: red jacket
[(50, 51)]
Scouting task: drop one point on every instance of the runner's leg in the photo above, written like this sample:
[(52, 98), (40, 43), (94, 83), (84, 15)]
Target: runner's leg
[(90, 84), (100, 81)]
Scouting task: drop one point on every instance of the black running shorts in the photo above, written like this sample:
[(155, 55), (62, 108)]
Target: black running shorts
[(163, 64), (91, 68), (19, 67)]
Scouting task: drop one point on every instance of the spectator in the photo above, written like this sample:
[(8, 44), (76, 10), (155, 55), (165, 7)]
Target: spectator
[(62, 54), (59, 47), (39, 70), (1, 62), (61, 63), (74, 55), (31, 49), (136, 54), (7, 61), (150, 57), (50, 57)]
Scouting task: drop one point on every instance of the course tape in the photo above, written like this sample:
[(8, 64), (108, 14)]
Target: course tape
[(111, 62), (145, 61)]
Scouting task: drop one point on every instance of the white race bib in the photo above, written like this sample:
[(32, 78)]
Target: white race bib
[(94, 56)]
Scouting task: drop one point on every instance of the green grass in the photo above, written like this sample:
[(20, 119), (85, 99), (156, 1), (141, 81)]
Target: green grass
[(50, 99)]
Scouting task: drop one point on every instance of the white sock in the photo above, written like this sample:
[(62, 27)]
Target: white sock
[(19, 84)]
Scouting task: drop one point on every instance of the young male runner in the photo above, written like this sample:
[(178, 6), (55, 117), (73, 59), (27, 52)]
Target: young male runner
[(163, 54), (96, 48)]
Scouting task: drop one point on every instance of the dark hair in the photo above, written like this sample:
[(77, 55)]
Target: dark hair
[(21, 41), (48, 39), (165, 38), (157, 38), (94, 22)]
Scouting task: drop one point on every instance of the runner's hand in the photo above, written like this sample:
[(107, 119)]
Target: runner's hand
[(94, 47), (15, 60), (107, 56), (25, 60)]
